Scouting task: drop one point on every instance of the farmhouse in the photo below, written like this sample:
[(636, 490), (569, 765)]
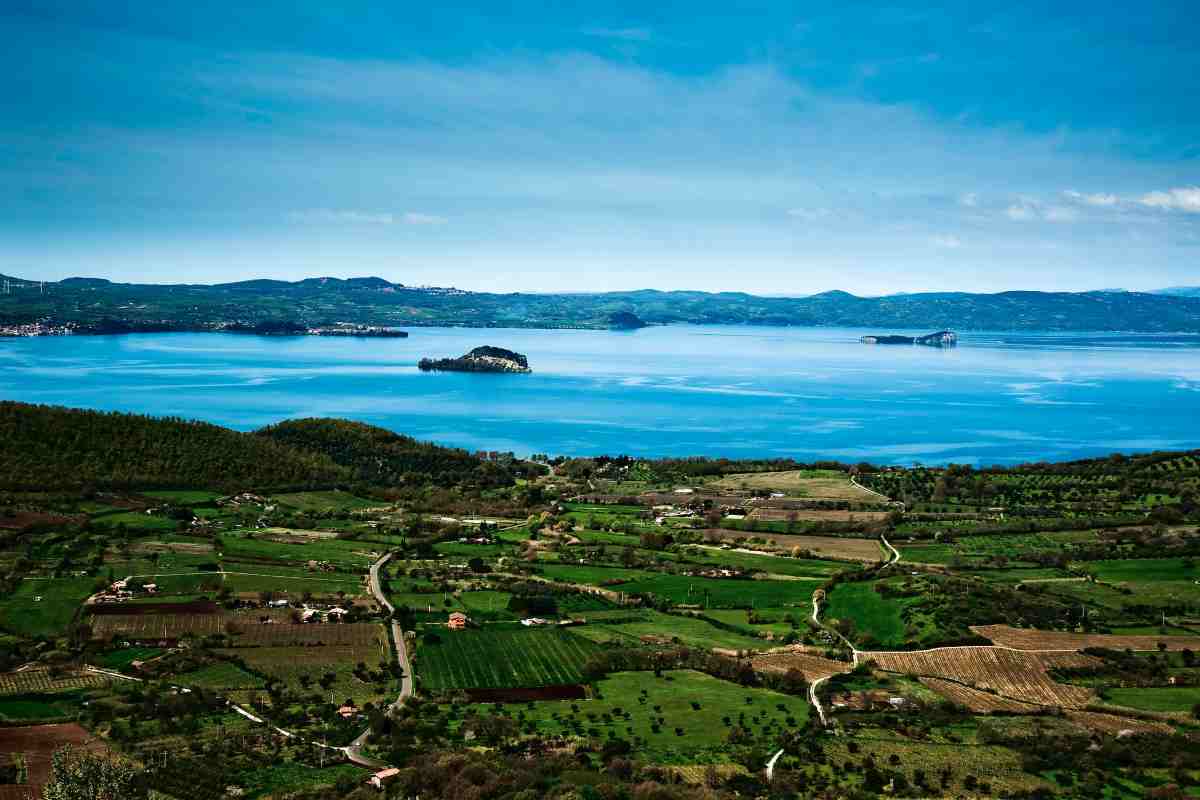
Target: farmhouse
[(383, 777), (348, 712), (458, 621)]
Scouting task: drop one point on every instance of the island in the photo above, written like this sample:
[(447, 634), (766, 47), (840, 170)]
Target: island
[(481, 359), (938, 339)]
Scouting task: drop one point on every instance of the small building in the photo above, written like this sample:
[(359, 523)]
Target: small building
[(348, 712), (383, 777), (458, 621)]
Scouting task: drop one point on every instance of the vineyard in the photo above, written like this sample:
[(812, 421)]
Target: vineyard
[(41, 681), (357, 634), (1012, 674), (156, 626), (505, 659), (1026, 639), (813, 666)]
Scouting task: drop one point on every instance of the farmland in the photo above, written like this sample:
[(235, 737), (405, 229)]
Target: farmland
[(144, 627), (44, 607), (501, 659), (1011, 674), (42, 680), (1027, 639)]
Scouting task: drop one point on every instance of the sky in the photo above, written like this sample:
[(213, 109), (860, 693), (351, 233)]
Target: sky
[(771, 147)]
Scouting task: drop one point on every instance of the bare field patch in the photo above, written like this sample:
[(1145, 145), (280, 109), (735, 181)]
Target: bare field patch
[(36, 744), (813, 666), (1012, 674), (156, 626), (804, 483), (1026, 639), (284, 634), (816, 515), (825, 546)]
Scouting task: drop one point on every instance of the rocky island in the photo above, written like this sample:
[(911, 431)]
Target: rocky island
[(939, 339), (481, 359)]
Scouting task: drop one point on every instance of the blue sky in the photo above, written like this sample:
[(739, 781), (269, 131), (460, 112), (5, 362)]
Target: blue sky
[(768, 147)]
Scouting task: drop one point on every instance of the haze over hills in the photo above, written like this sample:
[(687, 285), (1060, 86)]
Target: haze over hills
[(96, 305)]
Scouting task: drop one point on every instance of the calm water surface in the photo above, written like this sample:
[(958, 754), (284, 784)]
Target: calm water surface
[(688, 390)]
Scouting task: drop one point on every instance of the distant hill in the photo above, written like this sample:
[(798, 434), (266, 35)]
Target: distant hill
[(1180, 291), (48, 448), (94, 305), (382, 458)]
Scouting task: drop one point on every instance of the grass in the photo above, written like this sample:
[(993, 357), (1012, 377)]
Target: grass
[(320, 501), (41, 707), (24, 614), (1146, 570), (1174, 698), (124, 658), (281, 778), (870, 612), (719, 593), (494, 658), (630, 625), (220, 675), (183, 496), (822, 483), (705, 729)]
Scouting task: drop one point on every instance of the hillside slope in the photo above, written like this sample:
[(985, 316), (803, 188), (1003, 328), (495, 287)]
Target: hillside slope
[(382, 458), (47, 448)]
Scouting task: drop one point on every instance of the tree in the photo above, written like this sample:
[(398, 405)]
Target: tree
[(81, 775)]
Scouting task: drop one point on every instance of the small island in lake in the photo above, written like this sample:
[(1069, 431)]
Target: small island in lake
[(939, 339), (481, 359), (625, 321)]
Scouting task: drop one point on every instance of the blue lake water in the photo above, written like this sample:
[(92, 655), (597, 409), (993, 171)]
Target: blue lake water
[(688, 390)]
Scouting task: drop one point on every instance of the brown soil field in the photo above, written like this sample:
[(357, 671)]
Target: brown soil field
[(155, 626), (191, 548), (1025, 639), (816, 515), (813, 666), (797, 483), (292, 634), (829, 546), (1111, 723), (976, 700), (38, 744), (1014, 675)]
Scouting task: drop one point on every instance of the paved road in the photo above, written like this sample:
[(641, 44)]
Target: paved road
[(354, 751)]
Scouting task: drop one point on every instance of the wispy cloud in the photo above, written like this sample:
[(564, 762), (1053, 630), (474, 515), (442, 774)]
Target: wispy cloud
[(325, 216), (1182, 199), (1028, 209), (948, 241), (416, 218), (624, 34), (1096, 199)]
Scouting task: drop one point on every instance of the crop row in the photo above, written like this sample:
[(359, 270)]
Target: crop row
[(502, 660)]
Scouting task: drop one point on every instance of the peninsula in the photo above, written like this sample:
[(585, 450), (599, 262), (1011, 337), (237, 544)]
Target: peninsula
[(481, 359)]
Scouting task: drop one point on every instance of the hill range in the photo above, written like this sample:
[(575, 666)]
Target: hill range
[(95, 305)]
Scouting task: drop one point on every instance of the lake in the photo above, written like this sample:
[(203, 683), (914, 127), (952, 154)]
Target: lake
[(807, 393)]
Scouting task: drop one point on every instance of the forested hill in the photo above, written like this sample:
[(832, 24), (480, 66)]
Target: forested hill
[(99, 306), (382, 458), (49, 448)]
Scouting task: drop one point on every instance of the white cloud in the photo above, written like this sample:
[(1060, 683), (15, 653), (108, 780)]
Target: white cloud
[(326, 216), (1181, 199), (625, 34), (1059, 214), (351, 217), (809, 214), (1096, 199), (1021, 212), (1028, 209), (970, 200), (948, 241), (416, 218)]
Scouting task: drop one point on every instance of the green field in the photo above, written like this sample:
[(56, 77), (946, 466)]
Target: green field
[(705, 730), (492, 658), (1147, 570), (629, 625), (1172, 698), (23, 613), (41, 707), (723, 593), (220, 675), (183, 496), (870, 612)]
